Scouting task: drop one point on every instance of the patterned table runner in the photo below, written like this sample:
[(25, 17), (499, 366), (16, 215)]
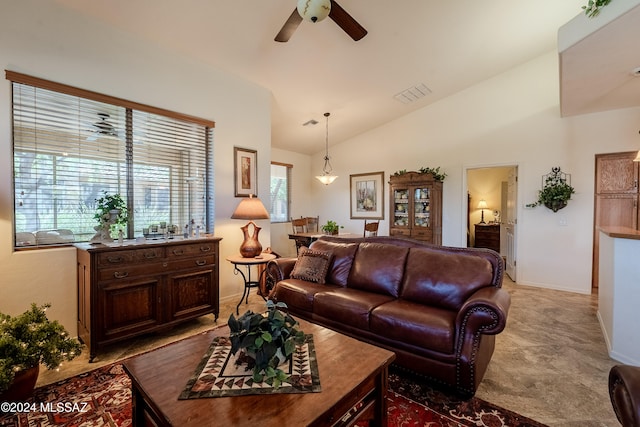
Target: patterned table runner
[(217, 374)]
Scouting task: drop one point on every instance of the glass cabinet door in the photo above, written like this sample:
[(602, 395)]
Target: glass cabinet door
[(422, 208), (401, 210)]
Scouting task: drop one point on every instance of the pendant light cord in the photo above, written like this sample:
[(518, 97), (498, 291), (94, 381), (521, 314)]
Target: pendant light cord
[(327, 164)]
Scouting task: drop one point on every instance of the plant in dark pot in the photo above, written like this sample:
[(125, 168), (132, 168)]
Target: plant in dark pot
[(555, 192), (267, 340), (26, 341)]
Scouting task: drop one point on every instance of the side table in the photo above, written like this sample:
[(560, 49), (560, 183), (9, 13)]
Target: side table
[(237, 261)]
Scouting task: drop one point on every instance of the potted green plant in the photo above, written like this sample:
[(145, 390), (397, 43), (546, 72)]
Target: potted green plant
[(26, 341), (331, 227), (111, 210), (555, 193), (267, 340)]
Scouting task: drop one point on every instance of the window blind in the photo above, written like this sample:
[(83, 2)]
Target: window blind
[(68, 150)]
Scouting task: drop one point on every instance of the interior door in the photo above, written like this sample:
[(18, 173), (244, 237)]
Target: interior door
[(511, 223)]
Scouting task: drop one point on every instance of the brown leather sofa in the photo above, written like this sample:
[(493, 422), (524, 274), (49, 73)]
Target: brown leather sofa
[(624, 391), (438, 308)]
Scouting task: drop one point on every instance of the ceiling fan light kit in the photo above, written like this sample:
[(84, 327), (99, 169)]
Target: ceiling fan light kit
[(314, 10), (317, 10)]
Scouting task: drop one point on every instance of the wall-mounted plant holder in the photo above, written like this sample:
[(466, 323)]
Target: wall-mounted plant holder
[(556, 190)]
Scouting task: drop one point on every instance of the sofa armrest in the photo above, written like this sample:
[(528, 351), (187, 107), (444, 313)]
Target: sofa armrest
[(624, 391), (484, 312), (279, 269)]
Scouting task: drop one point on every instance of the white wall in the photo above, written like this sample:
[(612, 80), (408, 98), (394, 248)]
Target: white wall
[(40, 39), (301, 201), (511, 119)]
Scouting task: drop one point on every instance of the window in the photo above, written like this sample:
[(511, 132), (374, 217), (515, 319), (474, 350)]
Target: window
[(280, 192), (71, 145)]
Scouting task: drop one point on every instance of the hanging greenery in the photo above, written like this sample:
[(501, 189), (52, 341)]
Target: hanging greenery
[(592, 9), (555, 192)]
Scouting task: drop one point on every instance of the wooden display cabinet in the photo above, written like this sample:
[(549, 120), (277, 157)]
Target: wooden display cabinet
[(132, 289), (416, 207)]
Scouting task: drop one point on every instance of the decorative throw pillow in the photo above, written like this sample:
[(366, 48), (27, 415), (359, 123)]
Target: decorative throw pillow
[(311, 265)]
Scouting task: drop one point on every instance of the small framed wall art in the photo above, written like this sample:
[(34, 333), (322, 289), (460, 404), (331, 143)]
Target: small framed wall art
[(245, 171), (367, 201)]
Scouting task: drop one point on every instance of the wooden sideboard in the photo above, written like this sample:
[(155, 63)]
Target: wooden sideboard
[(131, 289), (487, 236)]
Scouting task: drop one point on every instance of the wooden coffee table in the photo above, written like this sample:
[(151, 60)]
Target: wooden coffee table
[(351, 373)]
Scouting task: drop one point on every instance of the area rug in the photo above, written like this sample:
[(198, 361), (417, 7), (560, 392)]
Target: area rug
[(221, 374), (102, 397)]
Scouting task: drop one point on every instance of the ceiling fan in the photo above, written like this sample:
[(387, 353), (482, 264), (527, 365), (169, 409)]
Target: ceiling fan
[(316, 11)]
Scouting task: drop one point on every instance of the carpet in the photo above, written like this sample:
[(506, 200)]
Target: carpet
[(102, 397)]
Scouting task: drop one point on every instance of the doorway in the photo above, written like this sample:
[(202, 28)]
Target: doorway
[(491, 211)]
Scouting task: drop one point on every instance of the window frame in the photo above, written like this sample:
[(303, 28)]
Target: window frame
[(130, 107), (289, 173)]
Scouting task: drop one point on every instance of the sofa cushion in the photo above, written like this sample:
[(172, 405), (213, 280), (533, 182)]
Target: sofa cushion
[(340, 266), (443, 279), (414, 324), (348, 306), (378, 268), (298, 294), (312, 265)]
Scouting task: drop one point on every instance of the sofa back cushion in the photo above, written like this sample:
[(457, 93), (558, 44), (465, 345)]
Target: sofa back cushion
[(340, 266), (378, 268), (443, 279)]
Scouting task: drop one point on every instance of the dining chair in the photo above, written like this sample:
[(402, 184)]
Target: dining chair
[(313, 223), (299, 225), (370, 228)]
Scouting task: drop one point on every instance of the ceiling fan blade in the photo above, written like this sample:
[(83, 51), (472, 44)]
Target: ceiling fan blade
[(346, 22), (289, 27)]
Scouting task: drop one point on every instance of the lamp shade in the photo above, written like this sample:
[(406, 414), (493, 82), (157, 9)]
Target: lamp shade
[(250, 208), (482, 204), (314, 10), (326, 179)]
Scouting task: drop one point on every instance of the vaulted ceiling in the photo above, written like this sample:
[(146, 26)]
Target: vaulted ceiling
[(445, 45)]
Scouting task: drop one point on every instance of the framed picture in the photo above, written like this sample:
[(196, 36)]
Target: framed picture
[(245, 171), (367, 201)]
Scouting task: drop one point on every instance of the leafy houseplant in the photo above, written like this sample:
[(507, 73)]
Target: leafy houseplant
[(555, 193), (592, 9), (437, 175), (29, 339), (110, 210), (268, 338), (105, 207), (331, 227)]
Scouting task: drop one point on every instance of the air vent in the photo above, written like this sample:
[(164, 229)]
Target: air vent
[(412, 94)]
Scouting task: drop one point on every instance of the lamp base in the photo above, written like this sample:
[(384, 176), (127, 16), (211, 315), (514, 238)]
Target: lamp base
[(250, 247), (482, 218)]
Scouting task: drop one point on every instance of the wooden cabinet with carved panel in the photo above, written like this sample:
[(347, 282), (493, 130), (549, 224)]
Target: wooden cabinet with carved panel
[(416, 207), (616, 197), (131, 289)]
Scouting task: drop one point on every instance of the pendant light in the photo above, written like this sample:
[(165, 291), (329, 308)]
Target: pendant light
[(326, 178)]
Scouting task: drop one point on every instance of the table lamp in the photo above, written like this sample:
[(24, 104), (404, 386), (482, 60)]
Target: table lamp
[(251, 209), (482, 204)]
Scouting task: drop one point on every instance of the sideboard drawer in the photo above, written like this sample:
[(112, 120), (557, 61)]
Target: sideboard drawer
[(192, 249), (120, 257)]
